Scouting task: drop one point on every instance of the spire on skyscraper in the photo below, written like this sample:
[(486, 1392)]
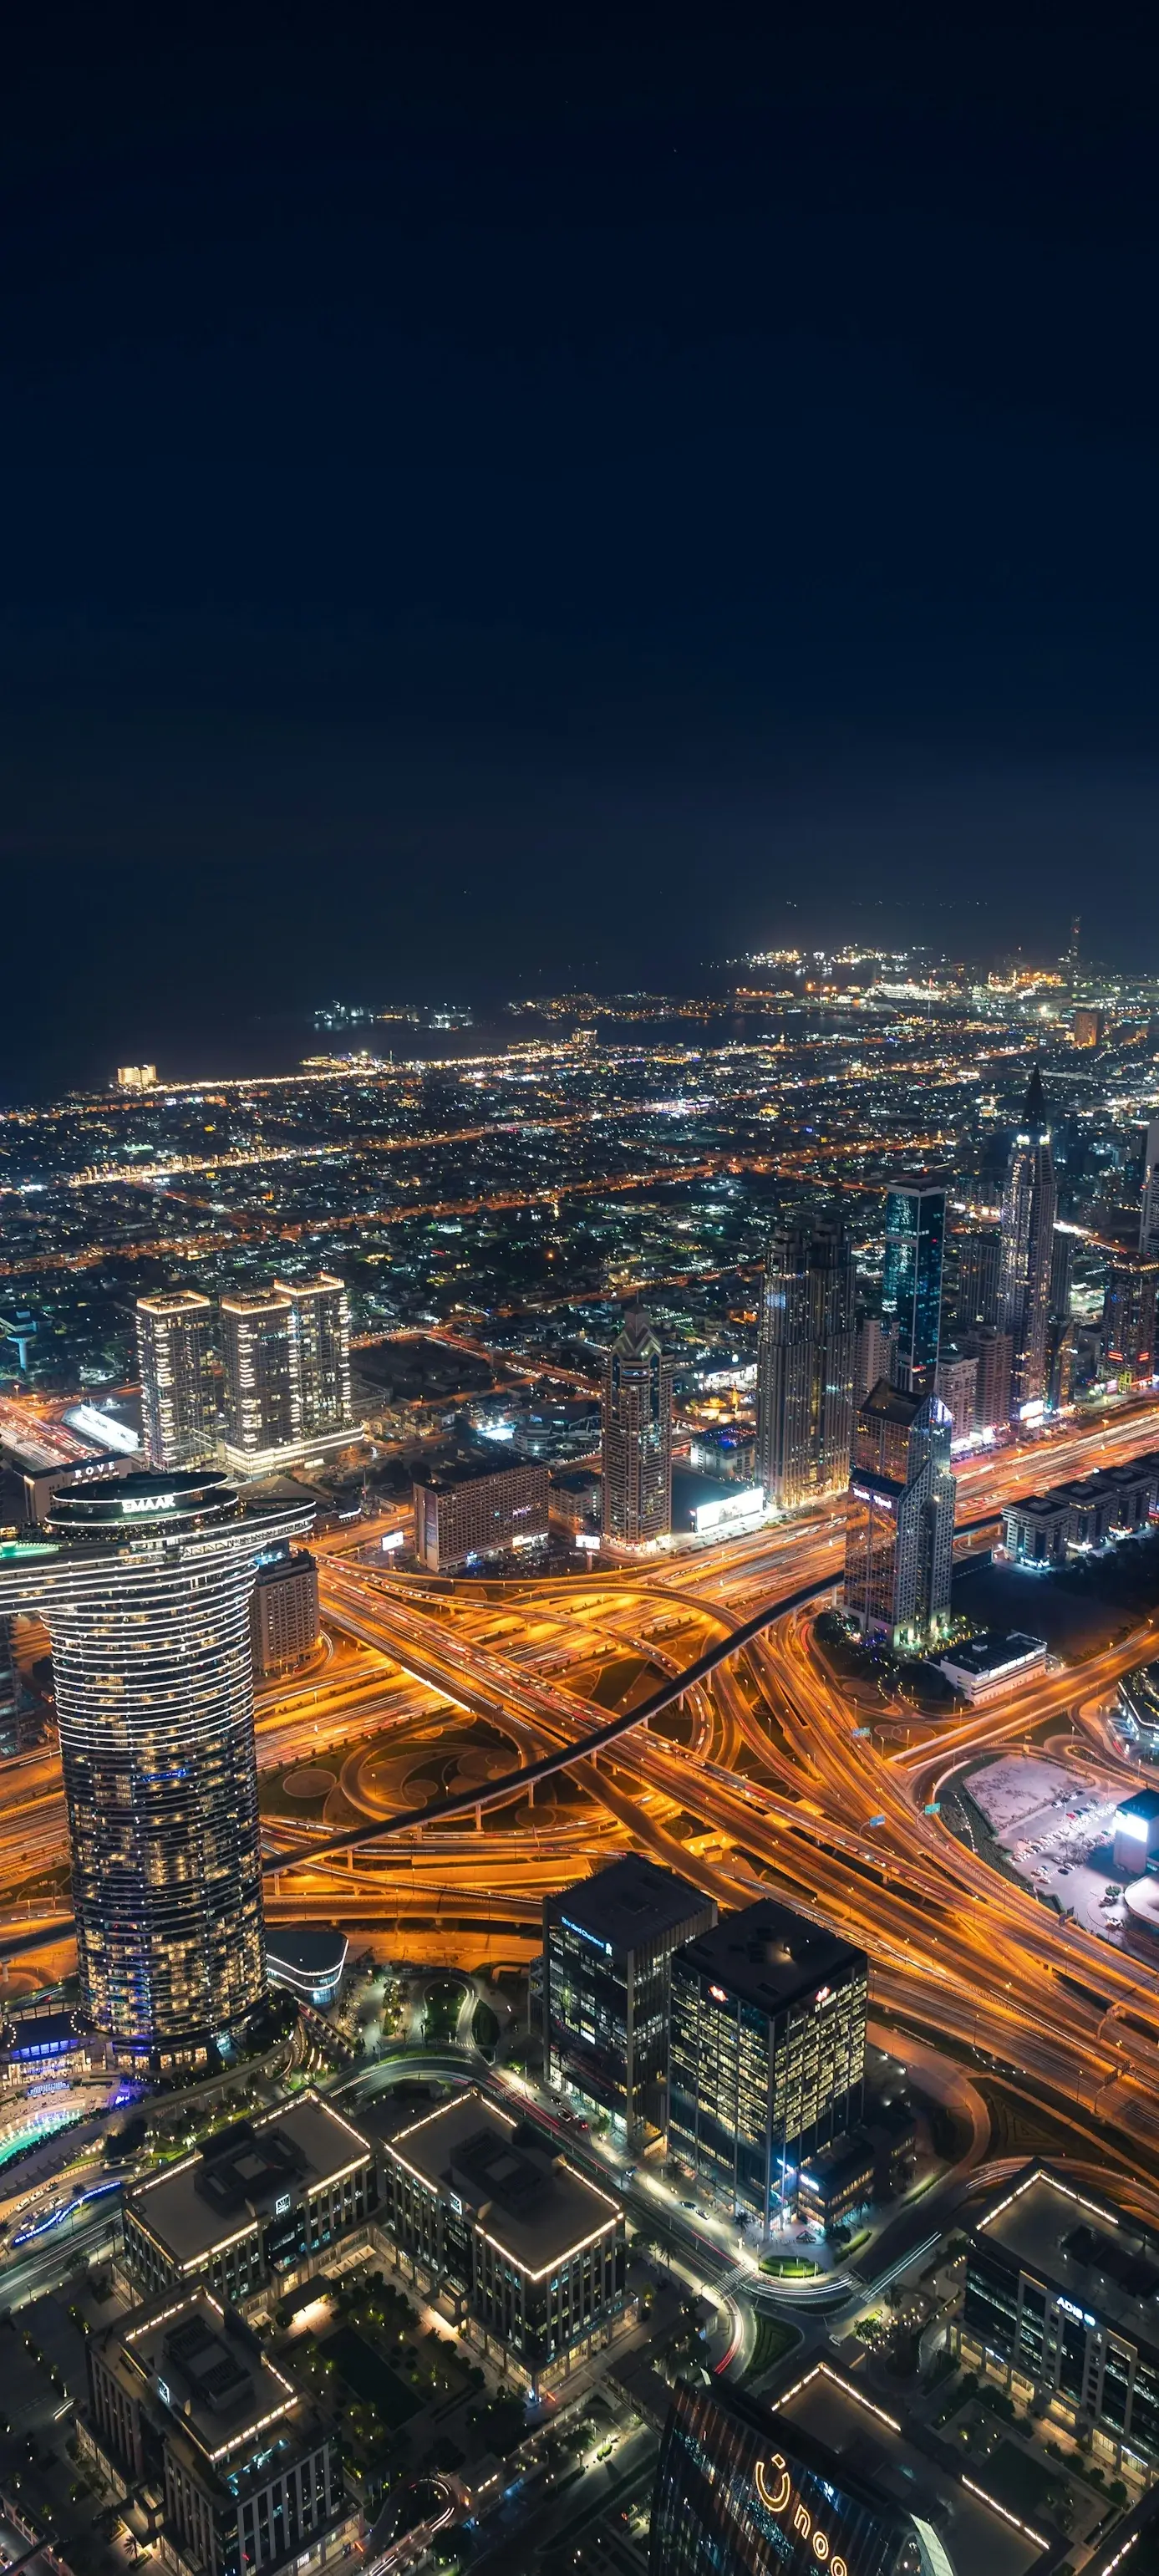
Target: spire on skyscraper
[(1035, 1115)]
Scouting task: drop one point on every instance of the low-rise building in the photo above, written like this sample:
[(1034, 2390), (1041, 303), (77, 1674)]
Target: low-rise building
[(607, 1980), (474, 1510), (1093, 1511), (268, 2201), (530, 2255), (835, 2186), (284, 1612), (574, 1499), (983, 1667), (1061, 2300), (184, 2402)]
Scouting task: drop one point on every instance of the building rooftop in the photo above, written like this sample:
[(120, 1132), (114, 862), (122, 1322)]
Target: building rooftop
[(469, 1471), (208, 2371), (532, 2203), (629, 1904), (992, 1653), (833, 2428), (1085, 2248), (239, 2174), (888, 1403), (768, 1956)]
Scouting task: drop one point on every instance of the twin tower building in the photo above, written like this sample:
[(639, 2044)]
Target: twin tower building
[(889, 1438)]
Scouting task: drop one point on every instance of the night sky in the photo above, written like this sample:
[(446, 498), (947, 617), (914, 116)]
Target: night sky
[(492, 501)]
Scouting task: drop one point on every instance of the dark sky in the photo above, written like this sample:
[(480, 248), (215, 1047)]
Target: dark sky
[(494, 499)]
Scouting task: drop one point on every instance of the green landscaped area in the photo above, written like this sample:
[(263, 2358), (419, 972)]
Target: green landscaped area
[(371, 2378)]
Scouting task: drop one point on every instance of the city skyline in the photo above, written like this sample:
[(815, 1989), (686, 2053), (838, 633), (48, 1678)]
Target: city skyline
[(579, 1294)]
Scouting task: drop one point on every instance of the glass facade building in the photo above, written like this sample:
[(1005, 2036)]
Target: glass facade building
[(911, 1296), (767, 2055), (144, 1584), (899, 1537), (741, 2492), (607, 1976), (806, 1363), (1029, 1208), (1061, 2292)]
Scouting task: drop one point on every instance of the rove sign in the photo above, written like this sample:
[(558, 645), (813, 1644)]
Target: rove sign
[(809, 2538)]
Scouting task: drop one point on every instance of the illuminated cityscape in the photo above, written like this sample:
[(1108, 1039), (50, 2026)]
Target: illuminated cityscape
[(517, 1387), (579, 1296)]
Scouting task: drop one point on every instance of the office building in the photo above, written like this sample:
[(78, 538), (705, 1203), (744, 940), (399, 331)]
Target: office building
[(874, 1357), (985, 1667), (319, 1353), (530, 2254), (1129, 1316), (262, 1411), (835, 2186), (259, 2207), (1088, 1027), (899, 1542), (742, 2491), (284, 1612), (607, 1978), (175, 1353), (1029, 1207), (185, 2404), (474, 1510), (1093, 1511), (911, 1295), (1149, 1211), (992, 1351), (637, 1435), (1061, 2299), (806, 1359), (957, 1385), (143, 1583), (767, 2054), (979, 1257)]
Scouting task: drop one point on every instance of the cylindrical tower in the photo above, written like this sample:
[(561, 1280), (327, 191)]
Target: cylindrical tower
[(144, 1584)]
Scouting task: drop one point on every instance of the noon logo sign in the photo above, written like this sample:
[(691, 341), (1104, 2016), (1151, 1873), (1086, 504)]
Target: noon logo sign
[(775, 2489)]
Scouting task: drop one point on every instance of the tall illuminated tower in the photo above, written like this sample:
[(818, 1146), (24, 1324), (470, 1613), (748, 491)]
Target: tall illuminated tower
[(1149, 1215), (911, 1296), (899, 1537), (319, 1351), (144, 1583), (637, 1440), (806, 1360), (1029, 1207), (175, 1352), (262, 1406)]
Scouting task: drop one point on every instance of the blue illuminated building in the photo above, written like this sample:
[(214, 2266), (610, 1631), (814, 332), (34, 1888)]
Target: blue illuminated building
[(915, 1234)]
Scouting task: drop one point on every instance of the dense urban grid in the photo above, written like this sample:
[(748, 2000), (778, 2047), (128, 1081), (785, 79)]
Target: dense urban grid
[(579, 1710)]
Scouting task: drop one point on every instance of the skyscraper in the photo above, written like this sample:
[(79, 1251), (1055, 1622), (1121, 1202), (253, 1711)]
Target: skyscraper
[(143, 1583), (1029, 1206), (979, 1252), (637, 1435), (1149, 1213), (767, 2056), (805, 1363), (175, 1353), (320, 1351), (994, 1352), (911, 1296), (876, 1344), (1129, 1316), (262, 1404), (899, 1541)]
